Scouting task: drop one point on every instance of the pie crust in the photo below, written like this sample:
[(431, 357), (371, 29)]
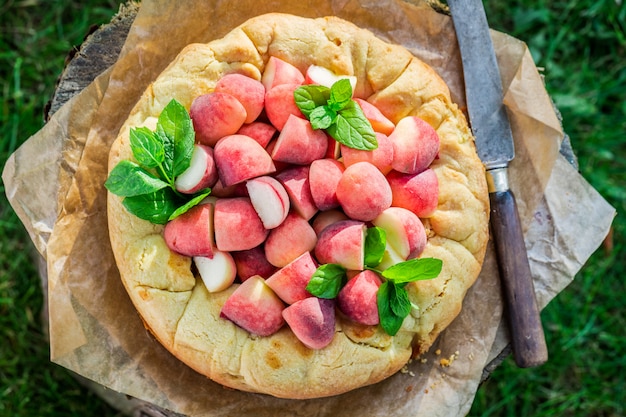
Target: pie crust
[(185, 318)]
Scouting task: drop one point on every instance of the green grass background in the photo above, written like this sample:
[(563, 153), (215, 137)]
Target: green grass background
[(580, 45)]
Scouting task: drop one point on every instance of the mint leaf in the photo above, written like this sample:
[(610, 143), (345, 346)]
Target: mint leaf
[(189, 204), (155, 207), (389, 320), (147, 147), (175, 128), (414, 270), (309, 97), (375, 244), (399, 300), (327, 280), (340, 94), (322, 117), (352, 128), (128, 179)]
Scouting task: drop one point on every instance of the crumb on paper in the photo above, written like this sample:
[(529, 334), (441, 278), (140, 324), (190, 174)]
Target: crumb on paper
[(445, 362), (409, 388), (406, 370), (438, 352)]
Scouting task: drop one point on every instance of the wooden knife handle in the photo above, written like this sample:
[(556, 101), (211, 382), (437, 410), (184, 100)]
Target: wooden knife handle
[(528, 340)]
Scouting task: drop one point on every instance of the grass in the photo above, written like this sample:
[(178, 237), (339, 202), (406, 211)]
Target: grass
[(581, 46)]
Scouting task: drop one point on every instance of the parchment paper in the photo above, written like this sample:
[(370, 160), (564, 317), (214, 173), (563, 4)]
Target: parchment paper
[(54, 182)]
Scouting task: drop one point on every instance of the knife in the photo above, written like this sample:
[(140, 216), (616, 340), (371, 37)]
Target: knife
[(494, 143)]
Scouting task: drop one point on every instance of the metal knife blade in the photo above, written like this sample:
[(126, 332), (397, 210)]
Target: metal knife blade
[(494, 143)]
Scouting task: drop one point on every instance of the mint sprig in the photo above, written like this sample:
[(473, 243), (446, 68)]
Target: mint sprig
[(334, 110), (392, 298), (327, 281), (162, 155)]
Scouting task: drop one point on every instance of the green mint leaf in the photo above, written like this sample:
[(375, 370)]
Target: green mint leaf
[(175, 128), (309, 97), (375, 244), (413, 270), (147, 147), (189, 204), (352, 128), (322, 117), (128, 179), (340, 94), (389, 320), (327, 280), (399, 300), (155, 207)]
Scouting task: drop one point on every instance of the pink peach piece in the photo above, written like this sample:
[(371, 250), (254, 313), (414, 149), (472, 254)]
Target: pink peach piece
[(415, 145), (239, 158), (381, 157), (333, 150), (316, 74), (357, 299), (418, 193), (278, 71), (216, 115), (201, 174), (249, 92), (252, 262), (312, 321), (377, 119), (236, 190), (342, 243), (324, 176), (237, 225), (217, 272), (288, 241), (260, 131), (326, 218), (280, 104), (254, 307), (270, 200), (298, 143), (404, 230), (191, 233), (296, 182), (290, 282), (363, 191)]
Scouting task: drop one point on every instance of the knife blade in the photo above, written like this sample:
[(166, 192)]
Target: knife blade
[(494, 142)]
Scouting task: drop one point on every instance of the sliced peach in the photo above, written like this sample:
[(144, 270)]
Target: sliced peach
[(357, 299), (216, 115), (217, 272), (342, 243), (191, 234), (415, 145), (416, 192), (237, 225), (291, 239), (290, 282), (239, 158), (254, 307), (363, 191), (278, 71), (298, 143), (312, 320), (249, 92), (324, 176)]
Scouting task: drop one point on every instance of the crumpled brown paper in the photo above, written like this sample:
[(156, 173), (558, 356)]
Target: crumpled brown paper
[(54, 182)]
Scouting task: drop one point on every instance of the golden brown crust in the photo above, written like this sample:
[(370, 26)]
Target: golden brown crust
[(176, 306)]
